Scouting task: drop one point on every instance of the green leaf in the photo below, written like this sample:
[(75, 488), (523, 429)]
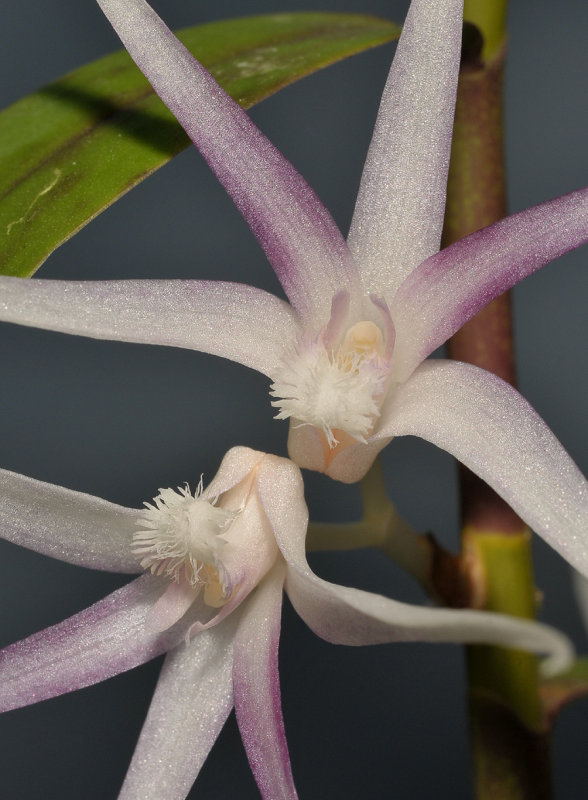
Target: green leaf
[(71, 149)]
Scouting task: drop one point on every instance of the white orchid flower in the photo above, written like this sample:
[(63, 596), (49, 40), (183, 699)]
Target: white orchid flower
[(216, 565), (346, 356)]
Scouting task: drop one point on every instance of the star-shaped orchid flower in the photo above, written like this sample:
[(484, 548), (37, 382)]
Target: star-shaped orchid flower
[(216, 562), (346, 356)]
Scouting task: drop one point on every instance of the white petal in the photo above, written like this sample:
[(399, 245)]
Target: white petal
[(108, 638), (296, 231), (67, 525), (256, 687), (399, 212), (448, 289), (235, 466), (281, 491), (489, 427), (231, 320), (349, 616), (171, 606), (192, 700)]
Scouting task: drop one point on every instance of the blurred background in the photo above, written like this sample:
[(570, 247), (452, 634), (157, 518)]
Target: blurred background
[(120, 420)]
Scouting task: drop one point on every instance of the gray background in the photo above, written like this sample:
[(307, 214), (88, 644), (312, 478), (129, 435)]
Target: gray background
[(120, 421)]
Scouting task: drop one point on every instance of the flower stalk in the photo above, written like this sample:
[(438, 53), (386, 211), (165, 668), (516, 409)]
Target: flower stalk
[(381, 527), (510, 739)]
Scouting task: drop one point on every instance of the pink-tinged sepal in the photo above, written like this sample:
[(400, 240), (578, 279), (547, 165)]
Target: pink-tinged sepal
[(492, 429), (256, 687), (71, 526), (399, 211), (214, 317), (299, 237), (449, 288), (109, 637), (348, 616), (191, 703)]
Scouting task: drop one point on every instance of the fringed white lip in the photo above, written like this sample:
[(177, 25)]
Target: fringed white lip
[(183, 536), (336, 381), (213, 545)]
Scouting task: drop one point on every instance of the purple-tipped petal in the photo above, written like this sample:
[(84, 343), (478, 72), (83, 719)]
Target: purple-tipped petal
[(231, 320), (488, 426), (300, 239), (256, 686), (192, 701), (67, 525), (109, 637), (349, 616), (399, 212), (452, 286)]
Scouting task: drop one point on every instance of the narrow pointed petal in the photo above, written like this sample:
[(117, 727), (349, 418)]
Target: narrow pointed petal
[(67, 525), (399, 212), (489, 427), (343, 615), (231, 320), (109, 637), (256, 686), (349, 616), (192, 701), (300, 239), (452, 286)]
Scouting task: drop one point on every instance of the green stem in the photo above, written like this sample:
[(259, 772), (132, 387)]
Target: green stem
[(441, 574), (509, 588), (399, 541), (489, 16), (381, 527), (509, 739)]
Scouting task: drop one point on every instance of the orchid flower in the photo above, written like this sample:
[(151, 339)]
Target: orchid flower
[(346, 355), (216, 564)]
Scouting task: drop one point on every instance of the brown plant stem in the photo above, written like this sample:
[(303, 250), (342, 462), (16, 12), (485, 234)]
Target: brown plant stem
[(476, 197), (510, 739)]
